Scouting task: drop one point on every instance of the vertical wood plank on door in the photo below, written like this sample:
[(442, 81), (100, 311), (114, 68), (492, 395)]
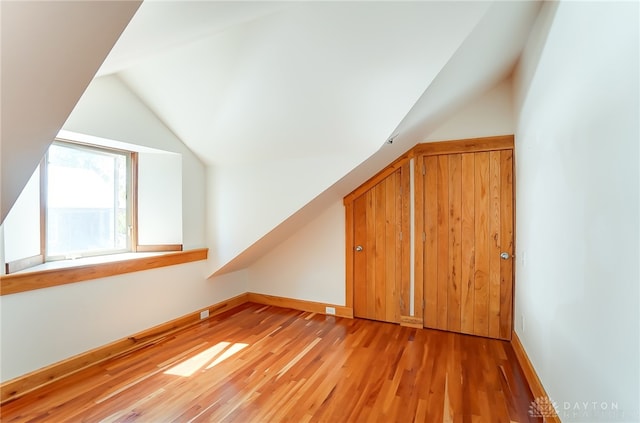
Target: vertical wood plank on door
[(455, 244), (443, 241), (419, 244), (360, 257), (370, 248), (418, 285), (380, 301), (468, 221), (494, 244), (431, 241), (377, 221), (349, 252), (481, 296), (390, 247), (506, 233), (404, 251), (468, 242)]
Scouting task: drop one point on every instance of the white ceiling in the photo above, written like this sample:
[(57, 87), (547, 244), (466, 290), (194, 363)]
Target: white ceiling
[(50, 53), (164, 25), (242, 82), (257, 81), (485, 58)]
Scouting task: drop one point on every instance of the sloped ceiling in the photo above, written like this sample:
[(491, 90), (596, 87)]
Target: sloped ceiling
[(486, 57), (248, 82), (50, 50), (266, 82), (243, 82)]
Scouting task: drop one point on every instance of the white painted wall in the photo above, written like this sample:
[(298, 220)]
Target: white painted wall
[(45, 326), (109, 110), (41, 327), (159, 198), (487, 115), (246, 201), (22, 224), (577, 189), (2, 253), (310, 265)]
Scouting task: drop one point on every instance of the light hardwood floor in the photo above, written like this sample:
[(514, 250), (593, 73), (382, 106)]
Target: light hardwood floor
[(267, 364)]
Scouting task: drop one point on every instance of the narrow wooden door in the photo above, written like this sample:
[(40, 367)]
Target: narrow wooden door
[(468, 242), (377, 257)]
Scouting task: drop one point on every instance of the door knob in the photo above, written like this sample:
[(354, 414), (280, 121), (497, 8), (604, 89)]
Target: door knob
[(358, 247), (505, 256)]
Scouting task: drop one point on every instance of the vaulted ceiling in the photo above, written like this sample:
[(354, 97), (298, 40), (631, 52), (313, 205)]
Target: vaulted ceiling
[(249, 81), (50, 52), (321, 84)]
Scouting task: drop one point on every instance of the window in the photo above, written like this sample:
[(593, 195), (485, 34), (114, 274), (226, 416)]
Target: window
[(93, 197), (87, 201)]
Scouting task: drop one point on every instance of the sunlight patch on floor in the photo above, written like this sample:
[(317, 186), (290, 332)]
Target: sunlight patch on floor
[(235, 348), (220, 352)]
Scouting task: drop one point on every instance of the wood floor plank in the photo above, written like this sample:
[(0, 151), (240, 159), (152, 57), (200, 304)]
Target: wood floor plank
[(268, 364)]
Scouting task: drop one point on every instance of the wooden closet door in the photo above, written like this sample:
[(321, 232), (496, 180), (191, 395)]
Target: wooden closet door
[(377, 218), (468, 242)]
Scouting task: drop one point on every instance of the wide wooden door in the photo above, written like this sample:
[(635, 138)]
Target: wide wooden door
[(468, 242), (377, 256)]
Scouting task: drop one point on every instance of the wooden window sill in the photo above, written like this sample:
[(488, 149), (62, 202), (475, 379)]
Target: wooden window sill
[(70, 271)]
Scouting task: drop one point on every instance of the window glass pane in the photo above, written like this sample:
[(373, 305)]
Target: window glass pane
[(86, 201)]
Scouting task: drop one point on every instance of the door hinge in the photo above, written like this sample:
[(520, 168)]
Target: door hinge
[(400, 236), (423, 304), (424, 169), (424, 237)]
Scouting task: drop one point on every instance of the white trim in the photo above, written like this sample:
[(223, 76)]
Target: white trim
[(65, 135)]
